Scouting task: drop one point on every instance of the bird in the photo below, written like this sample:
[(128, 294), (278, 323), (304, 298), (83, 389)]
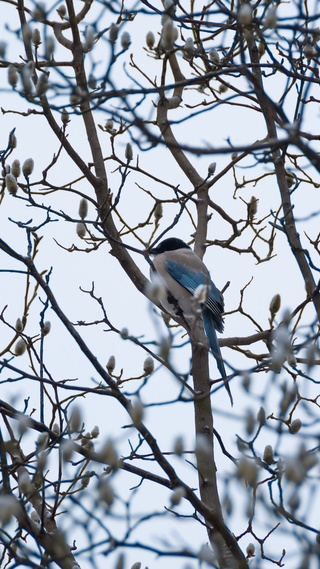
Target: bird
[(188, 284)]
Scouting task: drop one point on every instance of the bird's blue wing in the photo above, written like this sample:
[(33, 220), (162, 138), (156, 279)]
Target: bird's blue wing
[(190, 280)]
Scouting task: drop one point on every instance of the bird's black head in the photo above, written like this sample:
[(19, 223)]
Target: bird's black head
[(171, 244)]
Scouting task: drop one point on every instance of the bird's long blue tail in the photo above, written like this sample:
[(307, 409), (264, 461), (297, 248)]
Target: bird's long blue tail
[(215, 348)]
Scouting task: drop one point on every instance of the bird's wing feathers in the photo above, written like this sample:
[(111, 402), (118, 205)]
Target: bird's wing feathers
[(190, 280)]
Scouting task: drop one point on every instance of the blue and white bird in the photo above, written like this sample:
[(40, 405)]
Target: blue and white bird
[(186, 278)]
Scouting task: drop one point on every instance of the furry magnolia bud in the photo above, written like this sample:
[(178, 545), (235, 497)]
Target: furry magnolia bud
[(214, 56), (27, 167), (11, 184), (295, 426), (62, 11), (36, 38), (148, 365), (177, 496), (113, 33), (16, 168), (83, 208), (125, 40), (20, 347), (81, 230), (64, 116), (150, 40), (13, 76), (111, 364), (212, 168), (275, 304), (46, 328), (129, 152), (245, 14), (268, 454), (250, 551)]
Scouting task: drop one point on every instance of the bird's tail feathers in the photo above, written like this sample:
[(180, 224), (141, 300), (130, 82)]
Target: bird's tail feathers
[(215, 348)]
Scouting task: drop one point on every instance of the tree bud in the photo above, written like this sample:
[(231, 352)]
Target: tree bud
[(124, 333), (271, 18), (268, 454), (49, 47), (252, 207), (81, 230), (125, 40), (179, 446), (158, 211), (92, 82), (95, 432), (245, 14), (11, 184), (148, 365), (177, 496), (295, 426), (75, 420), (62, 11), (214, 56), (64, 116), (46, 328), (250, 550), (212, 168), (85, 479), (27, 167), (136, 565), (111, 364), (19, 325), (109, 125), (261, 416), (129, 152), (20, 347), (16, 168), (113, 33), (42, 84), (36, 38), (150, 40), (56, 429), (83, 208), (13, 76), (275, 304)]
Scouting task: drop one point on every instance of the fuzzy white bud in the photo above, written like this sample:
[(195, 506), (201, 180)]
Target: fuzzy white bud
[(212, 168), (50, 45), (150, 40), (95, 432), (16, 168), (36, 38), (46, 328), (83, 208), (62, 11), (13, 76), (250, 551), (27, 167), (81, 230), (177, 496), (214, 56), (20, 347), (11, 184), (178, 446), (113, 33), (64, 116), (111, 364), (129, 152), (148, 365), (268, 454), (271, 18), (124, 333), (245, 14), (295, 426), (9, 506), (275, 304), (125, 40)]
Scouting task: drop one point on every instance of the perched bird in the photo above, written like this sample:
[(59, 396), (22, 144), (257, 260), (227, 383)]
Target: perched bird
[(190, 292)]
